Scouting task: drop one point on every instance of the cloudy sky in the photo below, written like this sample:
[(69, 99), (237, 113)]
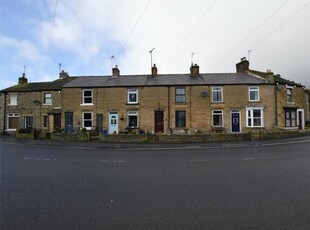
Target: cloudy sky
[(82, 35)]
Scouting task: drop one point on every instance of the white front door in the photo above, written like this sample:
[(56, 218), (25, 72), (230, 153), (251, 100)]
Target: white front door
[(113, 123)]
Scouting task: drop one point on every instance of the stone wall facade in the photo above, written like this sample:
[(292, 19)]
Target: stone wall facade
[(198, 107)]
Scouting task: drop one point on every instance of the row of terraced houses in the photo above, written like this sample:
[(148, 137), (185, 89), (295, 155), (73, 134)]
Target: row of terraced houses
[(239, 102)]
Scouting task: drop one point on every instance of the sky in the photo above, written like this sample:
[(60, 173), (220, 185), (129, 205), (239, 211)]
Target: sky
[(83, 35)]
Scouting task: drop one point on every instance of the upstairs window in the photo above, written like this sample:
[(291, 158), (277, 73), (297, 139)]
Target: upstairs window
[(48, 98), (132, 96), (87, 96), (289, 94), (13, 99), (180, 95), (253, 93), (217, 94)]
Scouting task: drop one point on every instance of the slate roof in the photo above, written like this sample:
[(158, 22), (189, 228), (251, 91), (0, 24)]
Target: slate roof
[(279, 79), (39, 86), (164, 80)]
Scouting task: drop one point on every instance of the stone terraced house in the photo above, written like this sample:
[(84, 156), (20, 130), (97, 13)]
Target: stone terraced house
[(245, 101)]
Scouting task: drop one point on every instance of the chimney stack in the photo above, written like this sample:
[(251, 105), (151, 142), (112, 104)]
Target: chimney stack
[(115, 71), (242, 66), (154, 70), (194, 70), (22, 80), (63, 74)]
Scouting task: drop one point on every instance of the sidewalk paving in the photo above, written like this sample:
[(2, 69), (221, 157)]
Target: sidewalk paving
[(99, 144)]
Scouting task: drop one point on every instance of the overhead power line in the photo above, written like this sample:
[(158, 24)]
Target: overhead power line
[(284, 23), (133, 29), (189, 32), (51, 35), (250, 34)]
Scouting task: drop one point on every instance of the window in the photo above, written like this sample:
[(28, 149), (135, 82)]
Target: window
[(217, 94), (180, 95), (253, 93), (180, 119), (217, 118), (289, 94), (132, 119), (132, 96), (87, 120), (290, 118), (28, 122), (13, 99), (87, 96), (255, 117), (12, 123), (48, 98), (45, 121)]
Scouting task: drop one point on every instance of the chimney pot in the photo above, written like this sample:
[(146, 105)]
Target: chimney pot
[(22, 80), (194, 70), (115, 71), (63, 74), (242, 66), (154, 70)]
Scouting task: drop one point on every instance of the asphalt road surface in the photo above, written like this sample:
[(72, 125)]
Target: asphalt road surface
[(250, 185)]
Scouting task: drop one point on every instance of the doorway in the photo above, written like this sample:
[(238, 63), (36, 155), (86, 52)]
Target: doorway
[(159, 121), (68, 122), (235, 121), (113, 123)]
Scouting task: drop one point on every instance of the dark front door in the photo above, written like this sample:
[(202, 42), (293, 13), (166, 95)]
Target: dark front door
[(300, 120), (235, 121), (99, 122), (57, 120), (159, 121), (68, 122)]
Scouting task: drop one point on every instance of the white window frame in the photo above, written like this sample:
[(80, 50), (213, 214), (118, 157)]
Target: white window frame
[(47, 100), (289, 89), (129, 114), (130, 92), (254, 89), (250, 117), (217, 89), (85, 97), (13, 99), (11, 115), (28, 122), (219, 113), (83, 120)]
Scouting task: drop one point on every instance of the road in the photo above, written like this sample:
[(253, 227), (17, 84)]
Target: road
[(261, 185)]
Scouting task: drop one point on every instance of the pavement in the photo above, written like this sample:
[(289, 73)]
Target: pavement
[(99, 144)]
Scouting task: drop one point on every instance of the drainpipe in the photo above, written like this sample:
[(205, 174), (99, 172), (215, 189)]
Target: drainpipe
[(190, 107), (276, 104), (4, 112), (169, 126)]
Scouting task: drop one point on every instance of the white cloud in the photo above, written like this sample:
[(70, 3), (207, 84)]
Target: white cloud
[(87, 33), (22, 49)]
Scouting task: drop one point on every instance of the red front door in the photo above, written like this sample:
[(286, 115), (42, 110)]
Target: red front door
[(159, 121)]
